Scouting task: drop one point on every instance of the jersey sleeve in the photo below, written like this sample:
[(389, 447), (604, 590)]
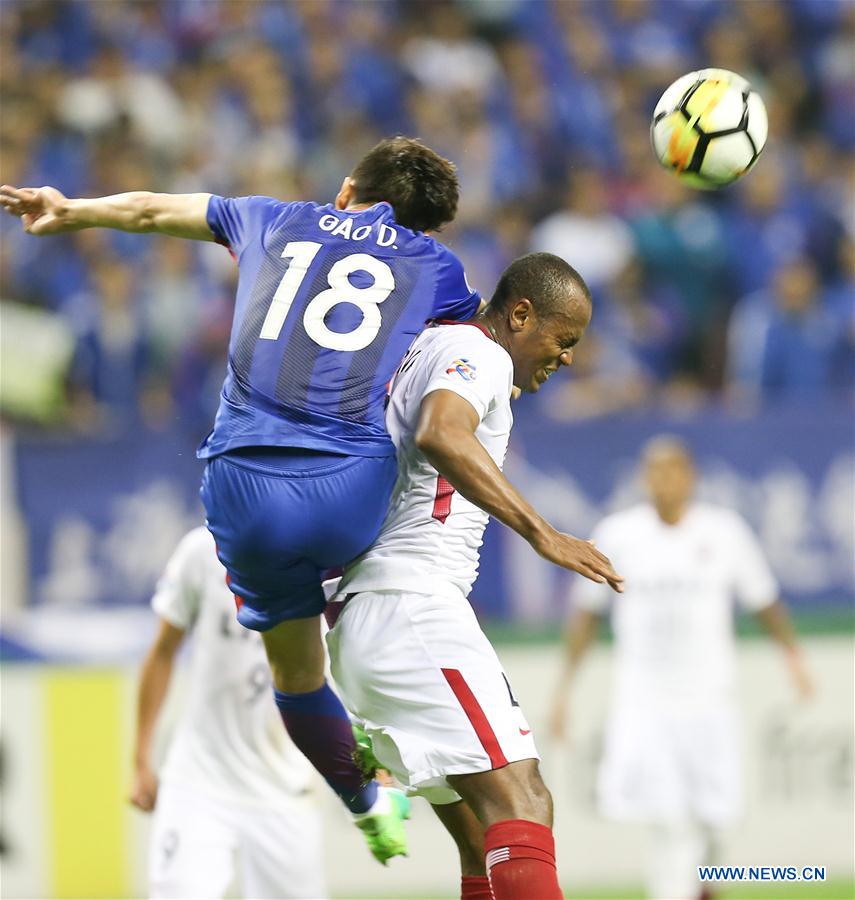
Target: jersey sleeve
[(753, 582), (178, 592), (235, 221), (454, 298), (471, 366)]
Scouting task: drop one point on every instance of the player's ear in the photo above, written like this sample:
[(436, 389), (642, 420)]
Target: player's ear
[(521, 315), (346, 193)]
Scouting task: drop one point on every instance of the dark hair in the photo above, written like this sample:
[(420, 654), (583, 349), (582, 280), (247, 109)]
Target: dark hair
[(543, 278), (417, 182)]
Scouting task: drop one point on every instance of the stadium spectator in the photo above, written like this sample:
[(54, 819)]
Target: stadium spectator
[(671, 758), (788, 342), (586, 229), (244, 97)]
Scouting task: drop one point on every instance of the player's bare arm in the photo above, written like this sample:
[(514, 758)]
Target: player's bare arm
[(777, 622), (579, 634), (154, 683), (446, 436), (45, 211)]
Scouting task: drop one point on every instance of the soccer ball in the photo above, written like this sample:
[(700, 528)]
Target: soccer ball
[(709, 128)]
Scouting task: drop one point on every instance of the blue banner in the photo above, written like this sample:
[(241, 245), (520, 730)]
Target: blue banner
[(102, 517), (788, 472)]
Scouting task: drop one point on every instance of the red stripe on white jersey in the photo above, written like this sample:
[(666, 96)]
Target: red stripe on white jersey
[(476, 716), (442, 500)]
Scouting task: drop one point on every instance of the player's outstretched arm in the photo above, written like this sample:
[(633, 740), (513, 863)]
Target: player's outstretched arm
[(45, 211), (154, 683), (446, 436)]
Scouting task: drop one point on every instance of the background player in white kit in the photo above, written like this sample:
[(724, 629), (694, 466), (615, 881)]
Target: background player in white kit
[(407, 652), (234, 797), (671, 756)]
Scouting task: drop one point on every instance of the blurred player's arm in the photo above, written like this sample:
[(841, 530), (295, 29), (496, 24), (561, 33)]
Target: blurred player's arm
[(154, 683), (45, 211), (756, 590), (777, 622), (579, 634), (446, 436)]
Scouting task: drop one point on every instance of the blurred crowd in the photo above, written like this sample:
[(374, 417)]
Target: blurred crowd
[(744, 294)]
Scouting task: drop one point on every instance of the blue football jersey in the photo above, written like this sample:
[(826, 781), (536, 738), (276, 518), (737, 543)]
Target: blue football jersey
[(327, 303)]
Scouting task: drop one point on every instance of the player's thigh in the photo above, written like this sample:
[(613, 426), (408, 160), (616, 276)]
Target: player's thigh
[(281, 855), (430, 689), (192, 848)]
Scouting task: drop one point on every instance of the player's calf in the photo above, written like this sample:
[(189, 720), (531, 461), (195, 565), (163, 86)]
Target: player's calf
[(515, 809), (468, 834)]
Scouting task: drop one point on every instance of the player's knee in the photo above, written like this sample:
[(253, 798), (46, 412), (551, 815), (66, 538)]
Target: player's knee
[(537, 799), (296, 680), (296, 657), (294, 677), (516, 791)]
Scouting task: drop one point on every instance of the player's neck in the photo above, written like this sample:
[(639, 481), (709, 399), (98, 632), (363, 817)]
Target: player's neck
[(495, 329), (672, 515)]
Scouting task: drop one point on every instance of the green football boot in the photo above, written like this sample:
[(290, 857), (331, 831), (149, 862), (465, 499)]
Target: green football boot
[(383, 824)]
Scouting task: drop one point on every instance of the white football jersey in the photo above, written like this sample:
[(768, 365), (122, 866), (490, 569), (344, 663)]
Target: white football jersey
[(431, 535), (230, 740), (673, 624)]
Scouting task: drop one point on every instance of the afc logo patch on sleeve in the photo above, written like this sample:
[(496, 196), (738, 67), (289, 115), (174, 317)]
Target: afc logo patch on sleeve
[(465, 369)]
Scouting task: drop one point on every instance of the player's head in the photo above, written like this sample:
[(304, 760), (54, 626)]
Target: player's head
[(419, 184), (669, 475), (540, 308)]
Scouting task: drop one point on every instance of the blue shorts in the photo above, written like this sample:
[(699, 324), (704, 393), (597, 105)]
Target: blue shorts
[(280, 517)]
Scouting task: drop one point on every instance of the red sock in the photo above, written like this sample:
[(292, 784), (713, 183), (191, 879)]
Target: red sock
[(520, 859), (475, 887)]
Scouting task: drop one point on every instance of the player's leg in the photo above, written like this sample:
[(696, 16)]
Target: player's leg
[(281, 853), (313, 715), (192, 848), (279, 519), (676, 850), (420, 673), (468, 834), (515, 808)]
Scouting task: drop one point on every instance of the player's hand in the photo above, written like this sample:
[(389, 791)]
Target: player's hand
[(802, 679), (41, 210), (144, 789), (578, 556)]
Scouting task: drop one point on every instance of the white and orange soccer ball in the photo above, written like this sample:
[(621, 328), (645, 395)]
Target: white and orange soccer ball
[(709, 128)]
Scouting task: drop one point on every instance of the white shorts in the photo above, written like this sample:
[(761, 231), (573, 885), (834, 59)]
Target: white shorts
[(424, 680), (671, 766), (201, 846)]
